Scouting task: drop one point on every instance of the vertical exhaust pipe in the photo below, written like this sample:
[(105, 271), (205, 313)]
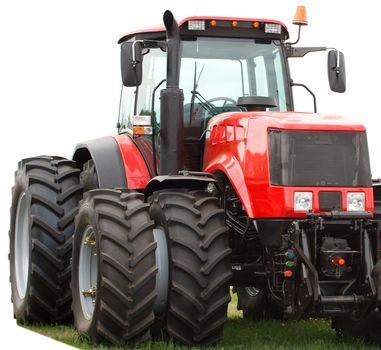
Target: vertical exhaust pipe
[(172, 105)]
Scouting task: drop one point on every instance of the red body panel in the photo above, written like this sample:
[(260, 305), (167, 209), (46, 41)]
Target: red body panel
[(237, 145), (160, 28), (137, 173)]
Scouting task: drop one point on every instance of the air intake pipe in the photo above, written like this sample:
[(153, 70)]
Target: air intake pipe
[(172, 105)]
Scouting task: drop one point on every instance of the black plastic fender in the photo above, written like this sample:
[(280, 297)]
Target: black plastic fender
[(107, 159)]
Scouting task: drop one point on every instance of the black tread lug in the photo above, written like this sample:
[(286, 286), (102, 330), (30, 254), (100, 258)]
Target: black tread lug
[(37, 221), (44, 251), (68, 173), (68, 218), (45, 279), (36, 179), (211, 264), (40, 200), (76, 189)]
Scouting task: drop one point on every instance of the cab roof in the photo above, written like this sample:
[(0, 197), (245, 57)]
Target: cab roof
[(222, 23)]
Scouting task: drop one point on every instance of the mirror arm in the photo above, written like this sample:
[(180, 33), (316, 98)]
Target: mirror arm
[(337, 68), (147, 44), (134, 62), (302, 51)]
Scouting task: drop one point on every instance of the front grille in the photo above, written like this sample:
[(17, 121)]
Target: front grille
[(330, 201)]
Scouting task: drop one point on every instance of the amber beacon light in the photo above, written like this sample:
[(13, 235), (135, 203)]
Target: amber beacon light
[(300, 17)]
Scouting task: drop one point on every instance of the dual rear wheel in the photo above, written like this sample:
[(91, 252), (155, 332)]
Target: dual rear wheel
[(158, 268), (44, 203), (136, 268)]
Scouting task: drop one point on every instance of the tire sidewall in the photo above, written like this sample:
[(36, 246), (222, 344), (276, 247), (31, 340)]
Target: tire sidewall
[(20, 308), (85, 217)]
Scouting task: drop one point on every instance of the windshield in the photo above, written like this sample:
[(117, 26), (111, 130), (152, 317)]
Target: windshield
[(319, 158), (214, 72)]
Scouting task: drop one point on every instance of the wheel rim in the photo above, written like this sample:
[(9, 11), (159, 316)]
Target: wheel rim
[(252, 291), (22, 245), (162, 276), (88, 272)]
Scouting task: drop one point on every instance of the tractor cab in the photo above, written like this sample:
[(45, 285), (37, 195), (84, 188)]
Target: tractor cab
[(222, 61), (222, 65)]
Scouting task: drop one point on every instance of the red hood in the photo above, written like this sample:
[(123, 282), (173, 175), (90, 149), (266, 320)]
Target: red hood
[(293, 120)]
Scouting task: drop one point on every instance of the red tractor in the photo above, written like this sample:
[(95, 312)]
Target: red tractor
[(217, 184)]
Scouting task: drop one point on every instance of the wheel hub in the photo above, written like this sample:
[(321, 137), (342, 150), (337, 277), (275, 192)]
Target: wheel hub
[(88, 272), (252, 291), (162, 277), (22, 245)]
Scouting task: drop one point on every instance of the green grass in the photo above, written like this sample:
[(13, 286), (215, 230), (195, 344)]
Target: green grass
[(239, 334)]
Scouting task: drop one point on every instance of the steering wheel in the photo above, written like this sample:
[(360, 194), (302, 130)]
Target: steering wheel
[(223, 98)]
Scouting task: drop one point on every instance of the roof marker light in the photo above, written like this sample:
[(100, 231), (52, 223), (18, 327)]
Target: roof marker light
[(234, 23), (273, 28), (196, 25), (256, 25), (213, 23)]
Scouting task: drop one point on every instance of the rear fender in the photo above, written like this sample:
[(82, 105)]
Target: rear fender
[(118, 161)]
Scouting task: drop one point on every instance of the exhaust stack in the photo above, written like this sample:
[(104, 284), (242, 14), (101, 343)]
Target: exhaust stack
[(172, 105)]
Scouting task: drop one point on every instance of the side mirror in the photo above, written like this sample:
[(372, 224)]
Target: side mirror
[(131, 63), (336, 71)]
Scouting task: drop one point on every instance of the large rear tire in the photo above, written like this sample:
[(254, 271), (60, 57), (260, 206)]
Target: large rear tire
[(114, 268), (44, 203), (199, 265)]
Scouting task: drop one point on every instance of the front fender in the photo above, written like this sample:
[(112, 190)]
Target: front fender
[(232, 169)]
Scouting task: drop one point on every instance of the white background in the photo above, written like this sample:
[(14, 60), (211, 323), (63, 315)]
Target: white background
[(60, 80)]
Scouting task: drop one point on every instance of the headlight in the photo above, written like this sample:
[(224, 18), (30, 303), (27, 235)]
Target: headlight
[(355, 201), (302, 201)]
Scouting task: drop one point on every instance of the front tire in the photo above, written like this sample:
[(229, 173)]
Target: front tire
[(44, 202), (199, 265), (114, 268), (252, 301), (368, 328)]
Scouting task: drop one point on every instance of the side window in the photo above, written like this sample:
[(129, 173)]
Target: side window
[(154, 70), (280, 81), (126, 112), (269, 78)]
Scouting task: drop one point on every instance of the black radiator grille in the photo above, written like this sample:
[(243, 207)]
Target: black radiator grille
[(330, 201)]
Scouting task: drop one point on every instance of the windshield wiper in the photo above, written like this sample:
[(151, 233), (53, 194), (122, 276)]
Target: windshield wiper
[(204, 103), (193, 92)]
